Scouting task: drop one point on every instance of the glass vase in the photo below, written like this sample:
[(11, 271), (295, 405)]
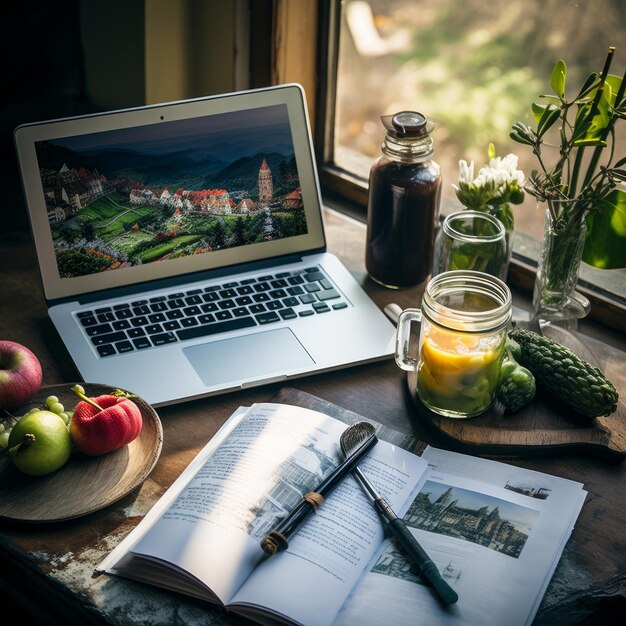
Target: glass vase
[(555, 299)]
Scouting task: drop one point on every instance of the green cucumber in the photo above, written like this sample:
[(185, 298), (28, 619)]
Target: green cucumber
[(565, 375)]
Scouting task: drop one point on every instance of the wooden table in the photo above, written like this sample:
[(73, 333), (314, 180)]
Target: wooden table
[(47, 569)]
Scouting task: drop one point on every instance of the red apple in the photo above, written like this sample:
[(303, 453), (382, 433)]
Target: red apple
[(20, 375), (105, 423)]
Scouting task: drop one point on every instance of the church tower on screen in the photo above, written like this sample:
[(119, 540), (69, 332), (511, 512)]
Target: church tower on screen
[(266, 189)]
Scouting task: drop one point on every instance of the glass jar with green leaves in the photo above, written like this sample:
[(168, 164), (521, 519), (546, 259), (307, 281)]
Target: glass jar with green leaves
[(497, 187), (580, 180)]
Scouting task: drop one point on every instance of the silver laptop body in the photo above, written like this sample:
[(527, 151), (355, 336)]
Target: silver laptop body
[(181, 247)]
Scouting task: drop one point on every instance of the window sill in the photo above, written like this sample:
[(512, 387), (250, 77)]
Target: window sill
[(606, 290)]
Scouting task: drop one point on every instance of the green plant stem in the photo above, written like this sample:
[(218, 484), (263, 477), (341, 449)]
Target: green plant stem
[(478, 263), (537, 151), (77, 390), (559, 251), (577, 165), (29, 440), (593, 111), (609, 128), (558, 168)]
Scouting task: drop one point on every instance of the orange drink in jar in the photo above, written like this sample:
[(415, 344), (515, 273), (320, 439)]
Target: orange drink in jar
[(458, 371), (463, 320)]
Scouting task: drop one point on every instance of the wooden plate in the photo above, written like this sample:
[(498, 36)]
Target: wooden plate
[(545, 426), (84, 484)]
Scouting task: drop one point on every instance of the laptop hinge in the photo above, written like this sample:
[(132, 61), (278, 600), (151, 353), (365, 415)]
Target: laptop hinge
[(166, 283)]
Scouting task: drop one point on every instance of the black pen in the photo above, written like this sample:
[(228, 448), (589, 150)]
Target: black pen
[(277, 539)]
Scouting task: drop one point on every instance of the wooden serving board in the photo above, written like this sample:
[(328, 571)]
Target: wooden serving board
[(545, 426), (85, 483)]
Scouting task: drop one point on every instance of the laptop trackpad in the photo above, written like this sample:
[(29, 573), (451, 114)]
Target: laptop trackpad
[(257, 356)]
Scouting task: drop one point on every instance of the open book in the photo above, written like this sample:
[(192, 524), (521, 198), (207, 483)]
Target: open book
[(495, 531)]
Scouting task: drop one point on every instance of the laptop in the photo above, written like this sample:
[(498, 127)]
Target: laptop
[(181, 247)]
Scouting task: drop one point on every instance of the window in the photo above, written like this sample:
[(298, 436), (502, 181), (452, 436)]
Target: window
[(474, 67)]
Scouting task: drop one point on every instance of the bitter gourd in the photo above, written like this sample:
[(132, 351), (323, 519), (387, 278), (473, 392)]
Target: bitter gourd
[(564, 374)]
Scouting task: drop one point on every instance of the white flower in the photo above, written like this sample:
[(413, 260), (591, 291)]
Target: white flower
[(505, 169), (466, 172), (497, 183), (500, 174)]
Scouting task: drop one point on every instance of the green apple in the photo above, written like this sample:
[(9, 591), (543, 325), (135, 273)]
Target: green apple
[(39, 443)]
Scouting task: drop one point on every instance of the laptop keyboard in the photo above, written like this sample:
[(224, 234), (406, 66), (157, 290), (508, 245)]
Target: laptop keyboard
[(200, 312)]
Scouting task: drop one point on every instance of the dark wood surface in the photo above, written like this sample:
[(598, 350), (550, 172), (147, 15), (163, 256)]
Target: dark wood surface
[(47, 570)]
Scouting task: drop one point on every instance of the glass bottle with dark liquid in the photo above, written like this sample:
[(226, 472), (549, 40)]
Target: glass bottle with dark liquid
[(403, 208)]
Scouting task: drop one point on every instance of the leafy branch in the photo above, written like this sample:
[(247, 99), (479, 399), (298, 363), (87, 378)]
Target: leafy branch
[(572, 186)]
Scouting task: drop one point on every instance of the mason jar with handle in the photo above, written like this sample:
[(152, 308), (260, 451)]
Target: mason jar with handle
[(463, 320)]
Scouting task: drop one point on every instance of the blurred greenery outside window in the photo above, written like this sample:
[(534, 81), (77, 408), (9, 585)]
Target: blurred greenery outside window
[(474, 67)]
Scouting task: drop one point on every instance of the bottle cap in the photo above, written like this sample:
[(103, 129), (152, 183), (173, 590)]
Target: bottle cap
[(407, 124), (408, 137)]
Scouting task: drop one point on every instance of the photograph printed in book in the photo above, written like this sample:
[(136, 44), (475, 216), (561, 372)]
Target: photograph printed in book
[(532, 491), (299, 474), (482, 519), (393, 562)]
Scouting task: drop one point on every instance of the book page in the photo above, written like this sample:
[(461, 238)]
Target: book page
[(121, 555), (208, 530), (496, 541), (311, 580), (212, 529)]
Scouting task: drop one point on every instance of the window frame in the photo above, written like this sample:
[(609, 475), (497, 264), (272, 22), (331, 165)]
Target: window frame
[(349, 192)]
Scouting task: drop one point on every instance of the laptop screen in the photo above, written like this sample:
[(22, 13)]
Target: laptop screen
[(198, 189)]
